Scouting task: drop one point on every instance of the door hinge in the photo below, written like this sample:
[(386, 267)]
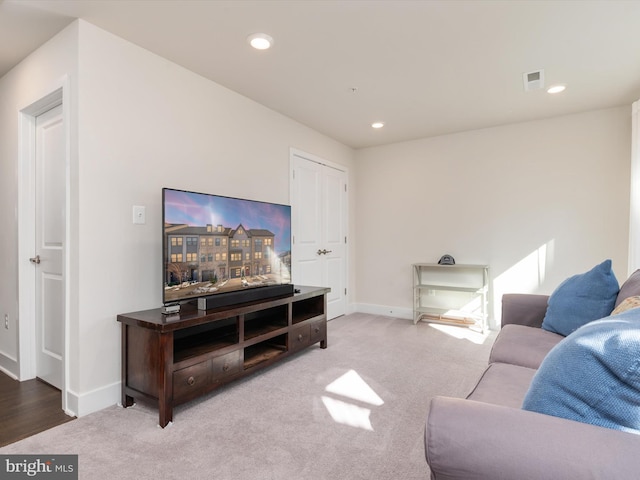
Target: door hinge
[(345, 239), (345, 291)]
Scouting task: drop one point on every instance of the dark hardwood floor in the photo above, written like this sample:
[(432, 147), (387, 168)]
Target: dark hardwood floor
[(27, 408)]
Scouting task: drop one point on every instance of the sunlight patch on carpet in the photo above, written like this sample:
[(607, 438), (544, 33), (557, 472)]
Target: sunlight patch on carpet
[(352, 387), (348, 413), (461, 332)]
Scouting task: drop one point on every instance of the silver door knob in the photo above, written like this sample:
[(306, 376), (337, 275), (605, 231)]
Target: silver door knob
[(324, 251), (35, 259)]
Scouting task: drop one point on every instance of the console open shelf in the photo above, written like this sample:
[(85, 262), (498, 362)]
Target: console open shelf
[(262, 322), (307, 309), (264, 351), (203, 339), (173, 359)]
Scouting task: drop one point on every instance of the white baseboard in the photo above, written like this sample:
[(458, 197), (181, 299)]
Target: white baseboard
[(77, 404), (80, 405), (398, 312), (9, 366), (8, 372)]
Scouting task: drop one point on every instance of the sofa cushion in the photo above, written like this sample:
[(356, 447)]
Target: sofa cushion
[(593, 375), (627, 304), (523, 346), (503, 384), (581, 299), (467, 440), (524, 309), (630, 288)]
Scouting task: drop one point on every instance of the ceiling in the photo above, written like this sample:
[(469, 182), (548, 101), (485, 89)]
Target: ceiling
[(425, 68)]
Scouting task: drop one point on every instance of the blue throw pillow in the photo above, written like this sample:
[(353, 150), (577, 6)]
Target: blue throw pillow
[(593, 375), (581, 299)]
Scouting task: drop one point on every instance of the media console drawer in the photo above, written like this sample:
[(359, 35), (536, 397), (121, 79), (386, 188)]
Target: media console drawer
[(191, 380), (318, 331), (299, 338), (226, 365), (173, 359), (307, 334)]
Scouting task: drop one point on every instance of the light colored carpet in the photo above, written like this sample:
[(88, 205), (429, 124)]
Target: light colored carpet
[(353, 411)]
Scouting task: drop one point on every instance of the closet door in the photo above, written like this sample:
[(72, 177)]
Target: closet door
[(319, 219)]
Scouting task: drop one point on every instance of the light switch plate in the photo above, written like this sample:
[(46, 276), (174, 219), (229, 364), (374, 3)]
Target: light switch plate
[(139, 215)]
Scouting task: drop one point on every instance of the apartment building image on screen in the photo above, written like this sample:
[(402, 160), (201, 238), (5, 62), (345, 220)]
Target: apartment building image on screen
[(214, 244)]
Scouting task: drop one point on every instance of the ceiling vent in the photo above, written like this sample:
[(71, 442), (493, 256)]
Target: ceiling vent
[(533, 80)]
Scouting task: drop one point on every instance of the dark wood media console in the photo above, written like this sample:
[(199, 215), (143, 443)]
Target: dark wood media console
[(171, 359)]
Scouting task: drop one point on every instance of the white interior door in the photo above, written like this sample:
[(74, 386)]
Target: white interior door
[(319, 219), (49, 248)]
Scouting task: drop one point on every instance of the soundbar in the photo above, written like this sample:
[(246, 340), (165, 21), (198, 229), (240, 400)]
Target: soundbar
[(242, 296)]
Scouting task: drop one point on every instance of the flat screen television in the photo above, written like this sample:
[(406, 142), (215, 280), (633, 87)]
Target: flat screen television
[(216, 247)]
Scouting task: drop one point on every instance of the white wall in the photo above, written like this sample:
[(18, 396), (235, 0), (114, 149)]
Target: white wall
[(537, 201), (143, 123), (146, 123)]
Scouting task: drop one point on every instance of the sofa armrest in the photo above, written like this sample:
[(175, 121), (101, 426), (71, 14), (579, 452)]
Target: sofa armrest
[(470, 440), (524, 309)]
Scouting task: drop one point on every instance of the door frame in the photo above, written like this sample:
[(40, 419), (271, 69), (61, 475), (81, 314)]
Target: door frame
[(294, 152), (58, 95)]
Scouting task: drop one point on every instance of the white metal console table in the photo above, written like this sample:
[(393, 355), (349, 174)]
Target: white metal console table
[(451, 294)]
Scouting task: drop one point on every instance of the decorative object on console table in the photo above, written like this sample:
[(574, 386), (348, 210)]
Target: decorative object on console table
[(446, 260), (454, 294), (170, 360)]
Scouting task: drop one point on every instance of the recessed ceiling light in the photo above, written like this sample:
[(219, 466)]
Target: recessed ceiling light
[(556, 89), (260, 41), (377, 124)]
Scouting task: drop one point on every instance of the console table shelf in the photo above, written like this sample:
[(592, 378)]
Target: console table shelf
[(195, 347), (259, 329), (256, 354), (172, 359)]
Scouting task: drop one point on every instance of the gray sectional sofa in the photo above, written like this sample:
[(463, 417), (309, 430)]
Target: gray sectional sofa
[(489, 436)]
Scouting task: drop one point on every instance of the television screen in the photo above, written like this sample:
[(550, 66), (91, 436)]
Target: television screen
[(214, 244)]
